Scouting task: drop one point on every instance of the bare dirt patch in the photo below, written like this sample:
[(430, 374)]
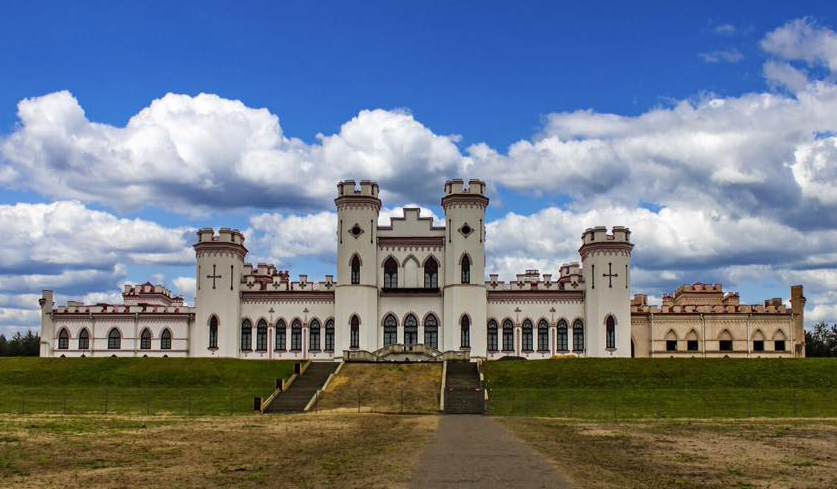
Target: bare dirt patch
[(384, 388), (299, 451), (773, 453)]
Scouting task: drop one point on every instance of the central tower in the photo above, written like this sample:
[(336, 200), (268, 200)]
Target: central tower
[(464, 289)]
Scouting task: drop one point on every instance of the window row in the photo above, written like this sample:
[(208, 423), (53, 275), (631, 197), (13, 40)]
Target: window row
[(431, 272), (528, 332), (315, 332), (431, 330), (114, 339), (725, 341)]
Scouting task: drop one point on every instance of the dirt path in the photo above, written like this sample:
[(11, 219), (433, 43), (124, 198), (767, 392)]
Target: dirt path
[(476, 451)]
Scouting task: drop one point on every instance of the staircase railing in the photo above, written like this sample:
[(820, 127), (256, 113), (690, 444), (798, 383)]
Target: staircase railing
[(315, 399), (283, 386)]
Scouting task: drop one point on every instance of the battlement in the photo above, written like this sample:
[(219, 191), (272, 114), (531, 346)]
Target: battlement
[(279, 281), (700, 298), (348, 188), (598, 234), (225, 236), (533, 280), (457, 186), (148, 293)]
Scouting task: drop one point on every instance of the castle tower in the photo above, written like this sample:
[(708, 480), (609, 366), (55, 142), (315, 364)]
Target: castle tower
[(356, 292), (464, 290), (220, 264), (798, 309), (47, 327), (606, 267)]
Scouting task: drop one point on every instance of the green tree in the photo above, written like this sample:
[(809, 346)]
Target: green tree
[(28, 345), (821, 341), (4, 345)]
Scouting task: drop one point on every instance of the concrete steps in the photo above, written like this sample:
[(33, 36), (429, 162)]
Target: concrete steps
[(303, 389), (463, 389)]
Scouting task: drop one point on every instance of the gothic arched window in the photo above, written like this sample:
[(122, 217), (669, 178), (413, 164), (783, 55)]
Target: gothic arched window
[(246, 335), (329, 335), (83, 340), (165, 340), (610, 332), (390, 273), (355, 270), (63, 339), (492, 335), (280, 344), (431, 274), (465, 330), (314, 335), (466, 269), (563, 340), (431, 331), (508, 335), (213, 332), (527, 335), (296, 335), (410, 330), (578, 335), (145, 340), (114, 339), (543, 335), (261, 335), (354, 332), (390, 330)]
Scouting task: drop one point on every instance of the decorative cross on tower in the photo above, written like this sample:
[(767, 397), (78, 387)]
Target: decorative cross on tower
[(213, 276), (610, 275)]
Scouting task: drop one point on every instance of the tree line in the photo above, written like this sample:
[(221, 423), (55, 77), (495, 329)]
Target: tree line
[(28, 345), (821, 341)]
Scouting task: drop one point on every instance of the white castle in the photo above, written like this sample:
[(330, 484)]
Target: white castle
[(415, 291)]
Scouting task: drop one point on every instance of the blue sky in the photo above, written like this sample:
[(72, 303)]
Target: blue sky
[(706, 126)]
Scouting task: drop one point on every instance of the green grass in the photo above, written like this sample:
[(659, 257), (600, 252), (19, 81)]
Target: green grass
[(136, 385), (606, 388)]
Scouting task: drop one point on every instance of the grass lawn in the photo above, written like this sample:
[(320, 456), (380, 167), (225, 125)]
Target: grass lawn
[(617, 388), (385, 388), (777, 453), (136, 385), (295, 451)]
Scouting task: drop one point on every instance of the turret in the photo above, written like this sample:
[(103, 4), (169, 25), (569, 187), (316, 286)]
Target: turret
[(606, 269), (47, 301), (220, 263), (798, 310)]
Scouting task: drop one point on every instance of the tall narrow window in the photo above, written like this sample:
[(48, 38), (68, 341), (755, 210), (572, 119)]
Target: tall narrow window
[(431, 274), (390, 330), (465, 328), (508, 335), (355, 270), (390, 273), (261, 335), (213, 332), (114, 339), (466, 269), (610, 332), (145, 340), (492, 335), (410, 330), (63, 339), (431, 331), (165, 340), (83, 340), (354, 332), (281, 327), (563, 343), (314, 335), (296, 335), (329, 335), (527, 335), (543, 335), (246, 335), (578, 335)]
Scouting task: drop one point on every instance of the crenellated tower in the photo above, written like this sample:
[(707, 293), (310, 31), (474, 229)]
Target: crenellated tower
[(220, 262), (606, 268), (357, 268), (464, 292)]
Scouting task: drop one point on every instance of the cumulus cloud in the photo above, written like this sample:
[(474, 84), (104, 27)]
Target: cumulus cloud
[(803, 40), (730, 55)]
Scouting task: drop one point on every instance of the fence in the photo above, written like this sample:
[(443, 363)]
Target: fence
[(663, 403), (387, 401)]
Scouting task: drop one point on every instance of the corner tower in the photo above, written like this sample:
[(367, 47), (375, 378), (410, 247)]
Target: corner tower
[(357, 289), (606, 268), (218, 307), (464, 289)]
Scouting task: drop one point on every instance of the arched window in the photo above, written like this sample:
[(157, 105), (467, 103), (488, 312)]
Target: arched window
[(543, 335), (355, 270), (390, 273), (465, 328), (466, 269), (296, 335), (610, 332), (431, 274), (671, 340), (83, 340), (261, 335), (280, 344), (492, 335), (431, 331), (165, 340), (329, 335), (63, 339), (508, 335), (725, 341), (390, 330), (779, 341), (410, 330), (578, 335), (114, 339), (314, 335), (563, 340), (145, 339), (527, 335), (213, 332), (354, 332), (246, 335)]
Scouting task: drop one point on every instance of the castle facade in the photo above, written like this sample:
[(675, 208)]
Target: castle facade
[(415, 291)]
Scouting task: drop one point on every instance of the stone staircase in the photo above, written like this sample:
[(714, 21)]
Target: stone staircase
[(303, 389), (463, 390)]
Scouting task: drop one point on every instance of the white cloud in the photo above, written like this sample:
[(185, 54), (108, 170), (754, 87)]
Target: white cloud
[(725, 29), (731, 55), (186, 287), (803, 40)]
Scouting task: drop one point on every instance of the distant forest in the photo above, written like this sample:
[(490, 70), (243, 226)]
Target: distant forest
[(28, 345)]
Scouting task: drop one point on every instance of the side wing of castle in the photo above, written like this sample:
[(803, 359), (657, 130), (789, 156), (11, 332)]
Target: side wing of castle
[(414, 290)]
